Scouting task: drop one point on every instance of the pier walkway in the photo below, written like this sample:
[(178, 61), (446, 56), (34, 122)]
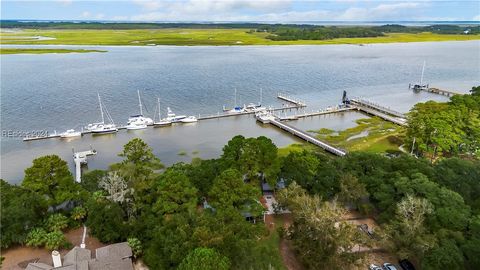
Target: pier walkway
[(441, 92), (292, 100), (268, 118), (81, 158), (368, 104), (396, 120)]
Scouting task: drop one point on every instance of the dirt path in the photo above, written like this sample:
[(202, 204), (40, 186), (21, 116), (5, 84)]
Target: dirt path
[(17, 258), (286, 250)]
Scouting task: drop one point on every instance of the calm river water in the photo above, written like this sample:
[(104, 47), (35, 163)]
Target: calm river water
[(58, 92)]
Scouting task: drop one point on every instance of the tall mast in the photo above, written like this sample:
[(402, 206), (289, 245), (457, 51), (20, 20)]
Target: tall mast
[(159, 114), (261, 96), (101, 110), (235, 99), (423, 70), (139, 102)]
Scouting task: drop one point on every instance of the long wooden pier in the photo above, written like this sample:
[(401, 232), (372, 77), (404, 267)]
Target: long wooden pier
[(375, 106), (396, 120), (316, 113), (269, 118), (441, 92), (81, 158), (307, 137)]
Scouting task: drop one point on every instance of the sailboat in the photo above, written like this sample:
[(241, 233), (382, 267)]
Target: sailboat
[(139, 121), (101, 127), (419, 86), (161, 122), (70, 133), (257, 107), (236, 109)]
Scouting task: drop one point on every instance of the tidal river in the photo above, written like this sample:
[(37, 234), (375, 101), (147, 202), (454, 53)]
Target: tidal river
[(59, 91)]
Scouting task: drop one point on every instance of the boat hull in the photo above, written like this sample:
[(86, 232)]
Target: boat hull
[(106, 131)]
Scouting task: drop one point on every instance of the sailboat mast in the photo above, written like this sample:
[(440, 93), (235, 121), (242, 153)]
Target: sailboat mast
[(423, 70), (261, 96), (235, 98), (101, 109), (139, 102), (159, 113)]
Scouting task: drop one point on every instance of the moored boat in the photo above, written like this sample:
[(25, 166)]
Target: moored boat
[(101, 127), (70, 133), (161, 122), (189, 119)]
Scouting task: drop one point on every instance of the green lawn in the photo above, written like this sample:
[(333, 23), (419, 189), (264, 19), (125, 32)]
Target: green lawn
[(192, 37), (42, 51)]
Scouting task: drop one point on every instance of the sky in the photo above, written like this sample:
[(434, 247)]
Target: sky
[(242, 10)]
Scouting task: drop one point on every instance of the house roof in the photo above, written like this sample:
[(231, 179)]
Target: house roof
[(115, 251), (77, 254), (122, 264), (38, 266)]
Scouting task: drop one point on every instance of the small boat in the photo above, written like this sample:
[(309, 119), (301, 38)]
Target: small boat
[(172, 117), (190, 119), (237, 110), (136, 124), (70, 134), (161, 122), (101, 127)]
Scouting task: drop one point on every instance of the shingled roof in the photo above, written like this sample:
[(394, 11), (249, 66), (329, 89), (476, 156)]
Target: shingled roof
[(112, 257)]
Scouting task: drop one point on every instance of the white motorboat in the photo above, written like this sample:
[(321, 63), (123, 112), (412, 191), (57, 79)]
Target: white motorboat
[(139, 121), (101, 127), (172, 117), (70, 134), (136, 124), (190, 119), (161, 122)]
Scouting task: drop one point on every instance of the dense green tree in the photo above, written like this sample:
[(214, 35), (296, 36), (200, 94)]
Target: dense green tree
[(406, 233), (321, 238), (36, 237), (21, 210), (171, 242), (136, 245), (174, 193), (351, 190), (106, 220), (446, 254), (461, 176), (90, 180), (300, 167), (204, 259), (56, 222), (471, 247), (50, 177), (229, 190)]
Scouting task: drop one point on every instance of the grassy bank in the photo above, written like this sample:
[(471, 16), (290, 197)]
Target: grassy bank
[(190, 37), (42, 51), (370, 134)]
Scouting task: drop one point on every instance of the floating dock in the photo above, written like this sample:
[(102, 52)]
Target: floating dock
[(329, 110), (81, 158), (292, 100)]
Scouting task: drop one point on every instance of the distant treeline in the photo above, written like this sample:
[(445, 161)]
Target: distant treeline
[(315, 32), (276, 31)]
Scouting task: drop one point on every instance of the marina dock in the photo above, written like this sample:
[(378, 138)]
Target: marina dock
[(292, 100)]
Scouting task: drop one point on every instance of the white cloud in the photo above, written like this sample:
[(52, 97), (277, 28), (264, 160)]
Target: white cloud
[(91, 16), (272, 10), (65, 2)]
